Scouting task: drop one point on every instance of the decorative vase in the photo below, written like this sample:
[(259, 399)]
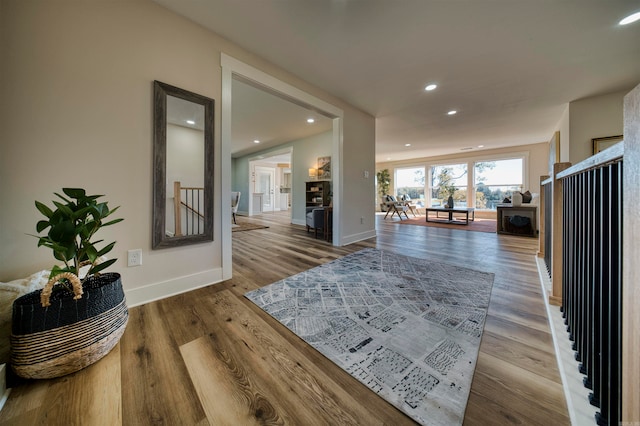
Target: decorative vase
[(450, 202), (516, 199)]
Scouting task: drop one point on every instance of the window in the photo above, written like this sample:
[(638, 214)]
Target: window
[(410, 181), (496, 180), (446, 180)]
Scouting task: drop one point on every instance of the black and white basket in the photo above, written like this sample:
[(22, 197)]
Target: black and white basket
[(56, 331)]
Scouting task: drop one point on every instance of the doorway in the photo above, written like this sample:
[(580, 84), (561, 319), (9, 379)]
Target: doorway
[(265, 185), (235, 69), (270, 184)]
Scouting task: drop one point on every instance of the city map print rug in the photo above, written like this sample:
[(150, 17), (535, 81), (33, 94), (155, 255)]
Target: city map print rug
[(407, 328)]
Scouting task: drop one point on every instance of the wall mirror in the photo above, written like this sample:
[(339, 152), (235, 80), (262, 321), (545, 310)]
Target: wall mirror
[(182, 167)]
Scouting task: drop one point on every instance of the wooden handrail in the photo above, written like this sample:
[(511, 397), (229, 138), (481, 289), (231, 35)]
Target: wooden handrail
[(177, 203), (177, 210), (188, 207), (610, 155)]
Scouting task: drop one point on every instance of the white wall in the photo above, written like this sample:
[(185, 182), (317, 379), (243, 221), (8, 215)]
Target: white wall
[(185, 164), (76, 110), (593, 117), (305, 154)]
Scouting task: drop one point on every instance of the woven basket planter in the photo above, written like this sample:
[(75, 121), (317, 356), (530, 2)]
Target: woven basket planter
[(57, 332)]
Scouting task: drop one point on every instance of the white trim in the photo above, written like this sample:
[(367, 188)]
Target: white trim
[(576, 395), (270, 82), (354, 238), (255, 160), (469, 161), (232, 66), (225, 177), (162, 290)]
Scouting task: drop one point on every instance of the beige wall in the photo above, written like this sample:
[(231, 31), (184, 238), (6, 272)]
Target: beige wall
[(76, 90), (593, 117), (358, 196)]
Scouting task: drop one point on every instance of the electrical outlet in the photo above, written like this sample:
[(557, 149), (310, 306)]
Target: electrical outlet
[(361, 220), (134, 257)]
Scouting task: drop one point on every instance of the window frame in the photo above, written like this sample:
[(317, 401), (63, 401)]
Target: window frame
[(470, 161)]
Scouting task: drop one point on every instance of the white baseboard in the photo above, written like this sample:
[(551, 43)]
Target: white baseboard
[(581, 412), (354, 238), (164, 289)]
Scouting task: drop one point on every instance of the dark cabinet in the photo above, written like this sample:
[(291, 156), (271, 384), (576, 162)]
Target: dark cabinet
[(317, 193)]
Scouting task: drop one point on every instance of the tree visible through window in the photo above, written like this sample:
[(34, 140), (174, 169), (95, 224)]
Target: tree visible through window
[(449, 180), (494, 184)]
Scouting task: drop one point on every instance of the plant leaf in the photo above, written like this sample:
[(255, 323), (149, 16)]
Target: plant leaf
[(103, 265), (106, 249), (92, 253), (76, 193), (112, 222), (79, 214), (63, 232), (66, 200), (44, 209), (64, 208), (42, 225)]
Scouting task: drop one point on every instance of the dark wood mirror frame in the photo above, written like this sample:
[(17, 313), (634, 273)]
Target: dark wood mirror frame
[(159, 237)]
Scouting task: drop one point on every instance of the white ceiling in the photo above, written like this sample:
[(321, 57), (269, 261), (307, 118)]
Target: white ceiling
[(509, 67), (259, 115)]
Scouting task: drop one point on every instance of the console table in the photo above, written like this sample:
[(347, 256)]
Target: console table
[(506, 211), (450, 212)]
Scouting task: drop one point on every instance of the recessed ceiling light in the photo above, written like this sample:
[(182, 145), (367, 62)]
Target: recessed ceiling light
[(256, 141), (310, 120), (430, 87), (191, 122), (480, 146), (407, 144), (388, 158), (631, 18), (452, 112)]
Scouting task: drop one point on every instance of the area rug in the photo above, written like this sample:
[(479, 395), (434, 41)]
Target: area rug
[(407, 328), (479, 225), (244, 226)]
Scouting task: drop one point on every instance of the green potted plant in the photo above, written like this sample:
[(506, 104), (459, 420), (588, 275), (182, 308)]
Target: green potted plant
[(78, 316), (384, 182)]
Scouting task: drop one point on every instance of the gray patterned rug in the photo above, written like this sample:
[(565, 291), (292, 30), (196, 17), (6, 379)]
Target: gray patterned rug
[(407, 328)]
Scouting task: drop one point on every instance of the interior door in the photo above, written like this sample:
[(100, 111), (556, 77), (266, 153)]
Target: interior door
[(265, 183)]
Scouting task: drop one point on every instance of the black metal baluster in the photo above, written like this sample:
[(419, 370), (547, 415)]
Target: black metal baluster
[(568, 186)]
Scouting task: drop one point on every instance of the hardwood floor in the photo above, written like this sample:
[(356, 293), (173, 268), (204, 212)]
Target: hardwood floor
[(211, 357)]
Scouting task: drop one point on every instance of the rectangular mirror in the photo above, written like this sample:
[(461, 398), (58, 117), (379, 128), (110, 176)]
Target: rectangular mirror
[(183, 167)]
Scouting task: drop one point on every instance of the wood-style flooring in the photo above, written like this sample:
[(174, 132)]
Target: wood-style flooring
[(210, 357)]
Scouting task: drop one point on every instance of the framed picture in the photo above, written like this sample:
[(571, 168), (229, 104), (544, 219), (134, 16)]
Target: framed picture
[(600, 144), (324, 168)]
